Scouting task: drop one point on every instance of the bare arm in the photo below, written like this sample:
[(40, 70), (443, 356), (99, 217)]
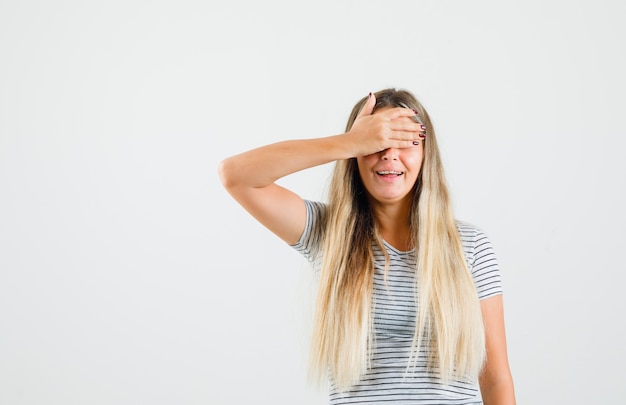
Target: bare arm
[(496, 382), (250, 176)]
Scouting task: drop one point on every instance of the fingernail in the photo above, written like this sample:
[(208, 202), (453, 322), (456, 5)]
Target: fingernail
[(415, 111), (416, 143), (369, 95), (423, 126), (422, 135)]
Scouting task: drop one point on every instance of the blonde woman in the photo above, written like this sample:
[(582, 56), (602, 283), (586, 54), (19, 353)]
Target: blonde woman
[(409, 305)]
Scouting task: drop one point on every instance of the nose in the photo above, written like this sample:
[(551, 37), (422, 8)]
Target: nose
[(389, 154)]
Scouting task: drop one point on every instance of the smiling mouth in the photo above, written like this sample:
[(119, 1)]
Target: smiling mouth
[(389, 173)]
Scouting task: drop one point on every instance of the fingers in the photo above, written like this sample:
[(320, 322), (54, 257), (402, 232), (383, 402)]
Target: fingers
[(406, 140), (399, 112), (406, 129), (404, 144), (397, 127), (404, 119), (368, 107)]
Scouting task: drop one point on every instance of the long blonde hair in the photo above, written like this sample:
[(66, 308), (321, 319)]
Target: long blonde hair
[(448, 317)]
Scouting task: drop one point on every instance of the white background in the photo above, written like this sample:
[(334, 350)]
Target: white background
[(129, 276)]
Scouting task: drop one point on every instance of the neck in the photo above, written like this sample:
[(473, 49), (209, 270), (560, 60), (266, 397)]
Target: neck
[(394, 224)]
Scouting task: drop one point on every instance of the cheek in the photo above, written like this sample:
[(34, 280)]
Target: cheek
[(360, 164), (364, 162), (414, 159)]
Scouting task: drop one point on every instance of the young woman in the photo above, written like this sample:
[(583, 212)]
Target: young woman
[(409, 305)]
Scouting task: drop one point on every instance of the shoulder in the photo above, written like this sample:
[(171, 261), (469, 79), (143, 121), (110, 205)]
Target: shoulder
[(481, 260), (475, 242), (315, 213), (310, 240), (316, 207), (469, 232)]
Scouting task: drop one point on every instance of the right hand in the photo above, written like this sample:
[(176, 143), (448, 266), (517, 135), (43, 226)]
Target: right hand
[(387, 128)]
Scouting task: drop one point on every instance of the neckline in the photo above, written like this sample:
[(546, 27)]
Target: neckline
[(396, 250)]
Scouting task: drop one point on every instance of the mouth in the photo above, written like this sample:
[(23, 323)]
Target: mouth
[(389, 173)]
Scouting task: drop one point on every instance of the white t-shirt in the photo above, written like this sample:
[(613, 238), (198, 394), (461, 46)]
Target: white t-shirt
[(394, 322)]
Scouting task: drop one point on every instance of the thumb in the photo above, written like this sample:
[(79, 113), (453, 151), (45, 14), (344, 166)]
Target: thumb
[(368, 107)]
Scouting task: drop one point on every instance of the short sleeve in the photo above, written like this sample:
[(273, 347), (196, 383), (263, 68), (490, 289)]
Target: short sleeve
[(310, 241), (481, 260)]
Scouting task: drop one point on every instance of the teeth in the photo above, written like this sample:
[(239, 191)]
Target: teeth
[(390, 172)]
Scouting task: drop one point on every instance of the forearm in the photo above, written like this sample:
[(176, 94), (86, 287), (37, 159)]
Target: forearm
[(263, 166), (370, 133), (496, 382)]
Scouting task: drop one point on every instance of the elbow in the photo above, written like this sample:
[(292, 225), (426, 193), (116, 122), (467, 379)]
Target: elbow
[(225, 172), (498, 390)]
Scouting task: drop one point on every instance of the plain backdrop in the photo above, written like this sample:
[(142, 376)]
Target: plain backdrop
[(129, 276)]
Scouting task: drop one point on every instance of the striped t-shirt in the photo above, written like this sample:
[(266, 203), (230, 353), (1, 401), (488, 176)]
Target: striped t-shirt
[(394, 322)]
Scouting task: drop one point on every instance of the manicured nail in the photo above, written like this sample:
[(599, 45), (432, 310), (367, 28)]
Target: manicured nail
[(415, 111), (423, 126), (416, 143)]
